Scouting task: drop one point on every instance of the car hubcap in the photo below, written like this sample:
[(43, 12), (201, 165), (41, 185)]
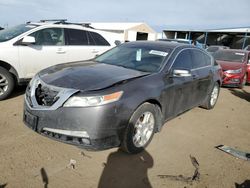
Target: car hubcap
[(214, 95), (3, 84), (144, 128)]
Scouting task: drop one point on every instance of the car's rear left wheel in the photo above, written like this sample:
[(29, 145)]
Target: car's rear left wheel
[(212, 97), (141, 128)]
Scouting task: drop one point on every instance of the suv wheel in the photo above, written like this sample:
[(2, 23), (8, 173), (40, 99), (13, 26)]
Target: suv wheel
[(141, 128), (213, 97), (6, 83)]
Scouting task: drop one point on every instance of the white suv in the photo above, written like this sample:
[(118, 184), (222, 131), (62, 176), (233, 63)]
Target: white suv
[(31, 47)]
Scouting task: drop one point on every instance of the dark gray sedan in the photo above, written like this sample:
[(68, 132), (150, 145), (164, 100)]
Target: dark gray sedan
[(122, 97)]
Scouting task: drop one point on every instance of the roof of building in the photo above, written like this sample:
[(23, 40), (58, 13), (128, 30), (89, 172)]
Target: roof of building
[(119, 26), (233, 30)]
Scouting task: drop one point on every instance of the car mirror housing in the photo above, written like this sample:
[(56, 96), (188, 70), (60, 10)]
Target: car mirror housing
[(181, 73), (28, 40)]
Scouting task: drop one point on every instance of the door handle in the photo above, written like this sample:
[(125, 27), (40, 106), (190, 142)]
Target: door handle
[(95, 51), (195, 76), (60, 51)]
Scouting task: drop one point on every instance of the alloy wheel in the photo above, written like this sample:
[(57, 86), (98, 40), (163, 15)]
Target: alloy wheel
[(214, 95), (144, 128), (3, 84)]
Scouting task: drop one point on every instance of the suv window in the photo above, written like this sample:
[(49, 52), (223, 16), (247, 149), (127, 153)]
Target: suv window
[(98, 39), (183, 60), (76, 37), (200, 59), (49, 36)]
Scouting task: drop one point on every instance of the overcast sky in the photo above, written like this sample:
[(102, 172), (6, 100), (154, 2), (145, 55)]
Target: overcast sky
[(159, 14)]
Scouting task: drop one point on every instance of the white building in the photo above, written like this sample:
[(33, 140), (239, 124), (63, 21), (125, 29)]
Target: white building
[(128, 31)]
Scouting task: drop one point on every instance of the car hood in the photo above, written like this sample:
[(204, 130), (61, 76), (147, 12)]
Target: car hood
[(87, 75), (227, 65)]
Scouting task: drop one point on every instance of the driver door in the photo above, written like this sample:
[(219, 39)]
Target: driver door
[(47, 50)]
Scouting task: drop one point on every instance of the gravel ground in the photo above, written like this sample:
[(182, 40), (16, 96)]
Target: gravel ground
[(31, 160)]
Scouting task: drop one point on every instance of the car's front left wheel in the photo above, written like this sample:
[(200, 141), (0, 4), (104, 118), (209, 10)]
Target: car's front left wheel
[(141, 128), (6, 83)]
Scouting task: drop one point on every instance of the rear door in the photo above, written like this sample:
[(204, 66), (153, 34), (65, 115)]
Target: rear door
[(82, 45), (202, 74)]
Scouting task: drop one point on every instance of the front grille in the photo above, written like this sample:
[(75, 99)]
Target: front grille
[(45, 96)]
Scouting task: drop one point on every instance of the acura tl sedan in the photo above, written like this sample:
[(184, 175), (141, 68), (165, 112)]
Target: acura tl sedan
[(122, 97)]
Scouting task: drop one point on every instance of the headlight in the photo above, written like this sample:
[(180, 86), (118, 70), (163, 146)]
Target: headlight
[(233, 71), (84, 101)]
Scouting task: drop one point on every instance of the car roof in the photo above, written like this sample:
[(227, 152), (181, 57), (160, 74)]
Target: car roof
[(235, 50), (163, 44)]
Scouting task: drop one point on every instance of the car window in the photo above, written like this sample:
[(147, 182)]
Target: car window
[(49, 36), (98, 39), (208, 60), (198, 59), (135, 56), (183, 60), (230, 55), (12, 32), (76, 37)]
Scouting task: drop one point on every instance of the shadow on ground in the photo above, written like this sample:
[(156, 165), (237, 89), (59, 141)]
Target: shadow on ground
[(19, 90), (245, 184), (3, 186), (124, 170), (44, 177), (241, 94)]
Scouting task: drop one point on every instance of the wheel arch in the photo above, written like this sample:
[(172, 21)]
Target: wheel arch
[(159, 110), (10, 68)]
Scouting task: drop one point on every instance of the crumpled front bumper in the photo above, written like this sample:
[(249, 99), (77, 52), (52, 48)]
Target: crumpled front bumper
[(103, 125)]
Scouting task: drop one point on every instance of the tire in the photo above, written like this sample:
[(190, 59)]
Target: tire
[(212, 98), (6, 83), (139, 133), (244, 81)]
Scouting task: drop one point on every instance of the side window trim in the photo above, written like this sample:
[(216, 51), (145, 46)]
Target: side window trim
[(63, 42), (178, 54), (204, 54)]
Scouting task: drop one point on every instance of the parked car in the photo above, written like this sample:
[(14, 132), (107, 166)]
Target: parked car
[(214, 48), (234, 66), (122, 97), (28, 48), (183, 41), (247, 48), (248, 65)]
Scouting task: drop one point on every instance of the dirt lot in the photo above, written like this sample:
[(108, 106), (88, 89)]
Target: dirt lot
[(31, 160)]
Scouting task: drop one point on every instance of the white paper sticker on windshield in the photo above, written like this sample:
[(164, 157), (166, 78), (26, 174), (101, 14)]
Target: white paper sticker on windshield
[(237, 53), (138, 55), (160, 53)]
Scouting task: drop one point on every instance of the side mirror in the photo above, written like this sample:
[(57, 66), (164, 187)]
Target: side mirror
[(181, 73), (117, 42), (28, 40)]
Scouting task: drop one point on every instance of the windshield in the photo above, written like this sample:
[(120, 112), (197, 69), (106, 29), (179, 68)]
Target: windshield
[(138, 57), (230, 56), (12, 32)]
